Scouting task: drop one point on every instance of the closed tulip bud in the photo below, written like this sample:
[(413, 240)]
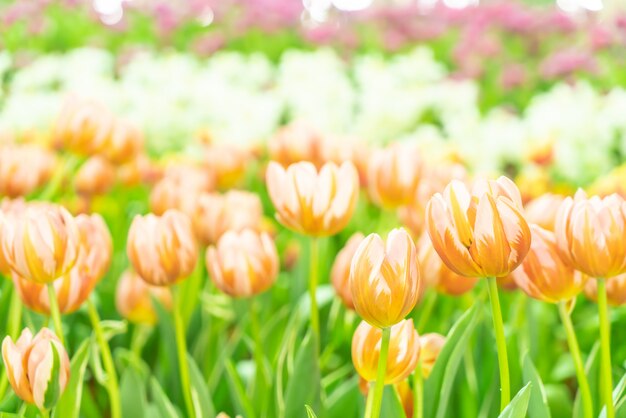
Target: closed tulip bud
[(615, 290), (311, 202), (162, 249), (74, 287), (340, 149), (340, 272), (243, 264), (95, 177), (482, 233), (435, 273), (384, 278), (38, 368), (8, 209), (591, 234), (41, 243), (179, 189), (24, 168), (216, 213), (133, 298), (296, 142), (124, 143), (228, 162), (404, 351), (430, 347), (84, 126), (543, 210), (394, 174)]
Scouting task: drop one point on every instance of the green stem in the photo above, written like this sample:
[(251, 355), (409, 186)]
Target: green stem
[(605, 350), (375, 396), (44, 413), (498, 325), (139, 338), (4, 383), (583, 384), (15, 314), (67, 167), (112, 384), (426, 311), (181, 346), (418, 392), (313, 278), (55, 313)]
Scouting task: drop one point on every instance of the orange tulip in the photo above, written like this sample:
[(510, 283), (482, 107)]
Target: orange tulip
[(24, 168), (179, 189), (482, 233), (340, 272), (394, 174), (591, 234), (162, 249), (133, 298), (8, 208), (430, 347), (543, 210), (124, 143), (296, 142), (311, 202), (95, 177), (404, 351), (29, 365), (228, 162), (243, 264), (615, 290), (384, 278), (41, 242), (340, 149)]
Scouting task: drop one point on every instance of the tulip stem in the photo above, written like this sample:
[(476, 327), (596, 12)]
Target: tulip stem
[(313, 277), (583, 384), (15, 314), (498, 325), (55, 313), (44, 413), (605, 350), (181, 346), (375, 397), (418, 392), (107, 359)]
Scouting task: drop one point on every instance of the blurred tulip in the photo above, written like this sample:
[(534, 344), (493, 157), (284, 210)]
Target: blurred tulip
[(533, 181), (124, 143), (162, 249), (228, 162), (8, 208), (543, 210), (95, 177), (30, 363), (507, 283), (482, 234), (394, 174), (591, 234), (133, 298), (41, 243), (430, 347), (243, 264), (384, 278), (296, 142), (404, 351), (340, 272), (615, 290), (340, 149), (234, 210), (24, 168), (311, 202), (180, 188)]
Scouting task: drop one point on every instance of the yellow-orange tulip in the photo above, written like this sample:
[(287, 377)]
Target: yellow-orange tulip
[(8, 208), (296, 142), (482, 233), (162, 249), (133, 298), (41, 242), (404, 351), (24, 168), (228, 162), (543, 210), (591, 234), (29, 364), (243, 263), (385, 278), (340, 149), (96, 176), (393, 174), (311, 202), (340, 272), (179, 189), (543, 274), (430, 347), (615, 290), (124, 143)]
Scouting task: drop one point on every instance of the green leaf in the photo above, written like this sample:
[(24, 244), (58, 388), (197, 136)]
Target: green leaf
[(619, 400), (392, 405), (237, 391), (346, 400), (592, 370), (161, 401), (519, 404), (133, 394), (538, 406), (69, 404), (303, 386), (309, 412), (53, 389), (200, 394), (438, 387)]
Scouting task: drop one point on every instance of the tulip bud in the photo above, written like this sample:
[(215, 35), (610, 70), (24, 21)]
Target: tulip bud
[(38, 368), (311, 202), (430, 347), (162, 249), (615, 290), (235, 210), (591, 234), (340, 272), (179, 189), (404, 351), (8, 209), (543, 210), (384, 278), (296, 142), (228, 162), (24, 168), (124, 143), (95, 177), (393, 175), (482, 233), (243, 263), (41, 243), (133, 298), (340, 149), (84, 126)]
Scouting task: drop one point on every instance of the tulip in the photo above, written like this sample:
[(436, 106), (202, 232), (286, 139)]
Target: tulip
[(228, 162), (133, 298), (95, 177), (32, 363), (243, 264), (8, 209), (179, 189), (340, 149), (340, 272), (124, 143), (394, 174), (311, 202), (24, 168), (384, 278), (235, 210), (430, 347), (615, 290), (296, 142), (543, 210)]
